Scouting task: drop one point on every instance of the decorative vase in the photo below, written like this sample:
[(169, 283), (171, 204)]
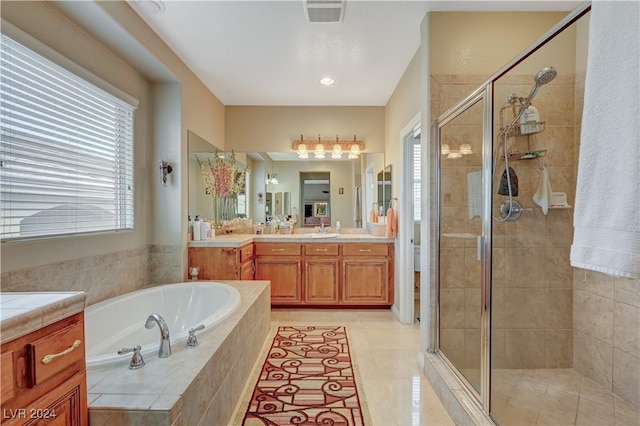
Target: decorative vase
[(224, 209)]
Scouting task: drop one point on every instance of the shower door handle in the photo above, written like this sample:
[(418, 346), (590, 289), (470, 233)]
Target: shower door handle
[(480, 244)]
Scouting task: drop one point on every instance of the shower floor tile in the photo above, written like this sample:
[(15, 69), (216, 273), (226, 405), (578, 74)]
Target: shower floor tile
[(556, 397)]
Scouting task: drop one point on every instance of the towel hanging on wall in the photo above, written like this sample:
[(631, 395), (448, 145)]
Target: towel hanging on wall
[(606, 218), (542, 197), (392, 220)]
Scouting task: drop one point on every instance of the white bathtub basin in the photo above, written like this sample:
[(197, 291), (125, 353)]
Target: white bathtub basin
[(119, 322)]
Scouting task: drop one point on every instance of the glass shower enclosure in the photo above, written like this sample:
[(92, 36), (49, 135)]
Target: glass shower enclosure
[(504, 286)]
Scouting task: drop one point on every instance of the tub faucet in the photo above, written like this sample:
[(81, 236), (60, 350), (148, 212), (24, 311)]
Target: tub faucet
[(165, 343)]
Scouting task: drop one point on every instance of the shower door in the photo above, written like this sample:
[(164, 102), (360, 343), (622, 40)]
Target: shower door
[(461, 290)]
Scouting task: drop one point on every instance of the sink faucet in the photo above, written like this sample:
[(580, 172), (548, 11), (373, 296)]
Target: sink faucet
[(165, 343), (322, 228)]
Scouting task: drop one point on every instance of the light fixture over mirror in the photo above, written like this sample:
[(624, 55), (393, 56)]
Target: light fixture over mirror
[(338, 147), (465, 149)]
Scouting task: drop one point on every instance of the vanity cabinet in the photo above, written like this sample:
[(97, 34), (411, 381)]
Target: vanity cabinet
[(367, 274), (327, 274), (44, 376), (321, 274), (223, 263), (281, 263)]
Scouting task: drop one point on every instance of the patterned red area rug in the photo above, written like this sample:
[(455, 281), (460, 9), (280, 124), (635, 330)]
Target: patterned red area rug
[(307, 379)]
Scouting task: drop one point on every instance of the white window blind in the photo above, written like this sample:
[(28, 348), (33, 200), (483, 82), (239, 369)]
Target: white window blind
[(66, 150), (417, 182)]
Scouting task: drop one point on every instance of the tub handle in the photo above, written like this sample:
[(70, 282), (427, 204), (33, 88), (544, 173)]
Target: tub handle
[(192, 341), (136, 359)]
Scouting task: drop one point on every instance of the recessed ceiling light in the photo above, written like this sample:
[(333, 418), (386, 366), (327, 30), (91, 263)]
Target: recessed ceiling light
[(151, 6), (327, 81)]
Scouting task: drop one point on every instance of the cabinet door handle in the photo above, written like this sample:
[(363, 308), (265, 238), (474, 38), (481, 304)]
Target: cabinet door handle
[(367, 250), (277, 249), (48, 358), (321, 249)]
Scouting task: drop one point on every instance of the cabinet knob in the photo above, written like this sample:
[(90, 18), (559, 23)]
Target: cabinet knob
[(321, 249), (366, 250), (277, 249)]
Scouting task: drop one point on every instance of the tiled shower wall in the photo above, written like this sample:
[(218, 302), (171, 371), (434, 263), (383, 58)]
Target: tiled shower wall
[(606, 318), (546, 313), (533, 286), (102, 276)]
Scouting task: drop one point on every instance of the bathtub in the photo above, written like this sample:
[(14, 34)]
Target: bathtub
[(119, 322)]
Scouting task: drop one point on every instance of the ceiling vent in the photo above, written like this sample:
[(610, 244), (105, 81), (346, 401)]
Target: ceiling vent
[(324, 11)]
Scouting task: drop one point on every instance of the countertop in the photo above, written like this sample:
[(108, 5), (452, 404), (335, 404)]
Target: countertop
[(22, 313), (237, 240)]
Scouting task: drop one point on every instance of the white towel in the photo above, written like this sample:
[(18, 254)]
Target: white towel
[(607, 208), (542, 197), (474, 193)]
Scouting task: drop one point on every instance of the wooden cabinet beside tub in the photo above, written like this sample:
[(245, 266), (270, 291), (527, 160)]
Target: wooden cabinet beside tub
[(44, 376), (223, 263), (327, 274)]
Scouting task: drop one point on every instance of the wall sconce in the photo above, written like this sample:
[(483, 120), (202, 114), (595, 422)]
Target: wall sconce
[(165, 170), (465, 149), (272, 178), (320, 147)]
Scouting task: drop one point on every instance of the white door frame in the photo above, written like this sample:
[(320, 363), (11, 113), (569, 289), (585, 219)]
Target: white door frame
[(404, 245)]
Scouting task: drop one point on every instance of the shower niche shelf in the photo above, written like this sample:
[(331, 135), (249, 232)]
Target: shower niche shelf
[(526, 155)]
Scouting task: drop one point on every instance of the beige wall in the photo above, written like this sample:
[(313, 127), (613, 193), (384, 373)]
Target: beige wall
[(274, 128), (481, 42)]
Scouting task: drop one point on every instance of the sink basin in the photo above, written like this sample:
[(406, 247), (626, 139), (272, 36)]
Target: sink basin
[(323, 235)]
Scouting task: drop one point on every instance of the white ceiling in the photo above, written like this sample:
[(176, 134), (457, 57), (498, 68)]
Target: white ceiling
[(264, 52)]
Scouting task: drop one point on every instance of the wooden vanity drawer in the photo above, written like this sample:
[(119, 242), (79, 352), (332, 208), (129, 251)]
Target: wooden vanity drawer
[(278, 249), (357, 249), (55, 352), (321, 249), (246, 252)]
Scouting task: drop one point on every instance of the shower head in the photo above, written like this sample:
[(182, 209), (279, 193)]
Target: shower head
[(543, 76)]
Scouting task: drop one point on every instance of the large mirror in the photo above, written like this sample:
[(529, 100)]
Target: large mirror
[(311, 192)]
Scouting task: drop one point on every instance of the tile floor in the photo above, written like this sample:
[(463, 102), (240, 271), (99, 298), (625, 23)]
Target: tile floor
[(384, 355), (556, 397)]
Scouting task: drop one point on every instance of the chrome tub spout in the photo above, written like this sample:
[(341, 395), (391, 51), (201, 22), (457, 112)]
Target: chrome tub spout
[(165, 342)]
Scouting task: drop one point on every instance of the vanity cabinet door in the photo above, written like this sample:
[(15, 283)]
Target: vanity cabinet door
[(367, 274), (247, 270), (322, 280), (281, 263), (215, 263)]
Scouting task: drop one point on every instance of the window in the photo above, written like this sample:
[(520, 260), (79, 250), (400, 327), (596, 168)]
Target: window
[(417, 179), (66, 150)]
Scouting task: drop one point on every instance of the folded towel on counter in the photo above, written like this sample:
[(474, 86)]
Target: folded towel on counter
[(474, 193), (543, 196), (606, 218), (392, 223)]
